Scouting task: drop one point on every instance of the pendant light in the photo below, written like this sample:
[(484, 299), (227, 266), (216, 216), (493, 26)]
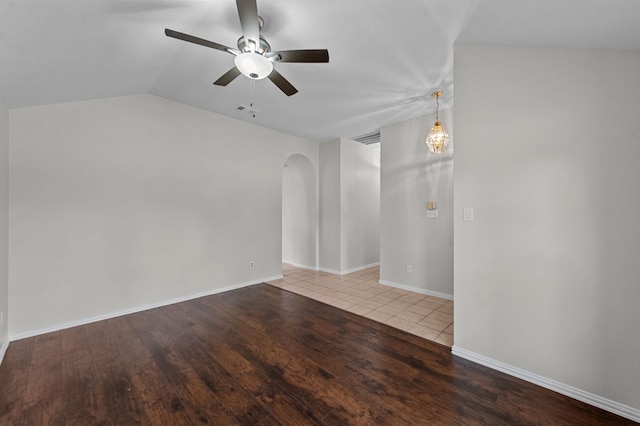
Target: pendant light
[(438, 138)]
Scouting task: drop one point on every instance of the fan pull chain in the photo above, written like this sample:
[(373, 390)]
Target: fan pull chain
[(253, 93)]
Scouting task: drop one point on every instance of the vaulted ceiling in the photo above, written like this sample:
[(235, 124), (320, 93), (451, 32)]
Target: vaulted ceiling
[(386, 56)]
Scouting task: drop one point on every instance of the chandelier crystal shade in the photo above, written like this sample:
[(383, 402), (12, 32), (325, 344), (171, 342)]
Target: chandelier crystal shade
[(438, 138)]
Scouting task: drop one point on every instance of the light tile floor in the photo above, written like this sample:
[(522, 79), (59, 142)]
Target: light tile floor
[(360, 293)]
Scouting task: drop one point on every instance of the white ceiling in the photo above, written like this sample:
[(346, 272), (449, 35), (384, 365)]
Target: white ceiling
[(386, 56)]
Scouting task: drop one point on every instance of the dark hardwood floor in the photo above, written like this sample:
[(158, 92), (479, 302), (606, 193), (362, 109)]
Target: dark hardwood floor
[(261, 355)]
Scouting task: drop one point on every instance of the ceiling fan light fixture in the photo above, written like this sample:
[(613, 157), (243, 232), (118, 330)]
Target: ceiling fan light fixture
[(438, 138), (253, 57), (253, 65)]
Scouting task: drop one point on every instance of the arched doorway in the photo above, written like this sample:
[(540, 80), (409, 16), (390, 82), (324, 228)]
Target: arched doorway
[(299, 212)]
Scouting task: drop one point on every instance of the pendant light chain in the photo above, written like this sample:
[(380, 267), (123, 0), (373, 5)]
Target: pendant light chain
[(252, 96)]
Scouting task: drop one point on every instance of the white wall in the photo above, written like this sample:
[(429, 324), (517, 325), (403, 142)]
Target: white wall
[(287, 222), (359, 205), (350, 206), (301, 216), (330, 206), (4, 225), (411, 177), (133, 201), (547, 152)]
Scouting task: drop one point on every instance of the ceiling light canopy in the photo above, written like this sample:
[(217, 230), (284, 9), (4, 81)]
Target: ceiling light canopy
[(253, 65), (438, 138)]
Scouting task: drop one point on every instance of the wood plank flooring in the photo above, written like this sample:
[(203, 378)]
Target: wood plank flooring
[(262, 356)]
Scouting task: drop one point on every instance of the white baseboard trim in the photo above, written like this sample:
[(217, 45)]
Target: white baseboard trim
[(84, 321), (584, 396), (418, 290), (349, 271), (359, 268), (329, 271), (299, 265), (3, 349)]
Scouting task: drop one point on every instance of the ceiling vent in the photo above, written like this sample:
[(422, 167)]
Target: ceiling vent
[(369, 138), (247, 109)]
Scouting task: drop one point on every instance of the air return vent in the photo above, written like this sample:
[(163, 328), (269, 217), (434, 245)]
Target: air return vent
[(369, 138), (247, 109)]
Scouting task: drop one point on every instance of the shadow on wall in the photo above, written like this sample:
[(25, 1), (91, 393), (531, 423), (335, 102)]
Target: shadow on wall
[(299, 212)]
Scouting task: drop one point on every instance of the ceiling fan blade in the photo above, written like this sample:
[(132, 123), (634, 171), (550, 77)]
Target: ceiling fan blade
[(310, 55), (248, 13), (282, 83), (228, 77), (198, 40)]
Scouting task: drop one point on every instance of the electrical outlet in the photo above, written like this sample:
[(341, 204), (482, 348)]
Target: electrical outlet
[(409, 269), (252, 264)]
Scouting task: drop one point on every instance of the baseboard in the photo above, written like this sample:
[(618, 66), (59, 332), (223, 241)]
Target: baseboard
[(299, 265), (3, 349), (349, 271), (84, 321), (418, 290), (329, 271), (359, 268), (586, 397)]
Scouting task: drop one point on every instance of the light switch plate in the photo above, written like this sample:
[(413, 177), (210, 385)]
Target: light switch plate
[(432, 213), (468, 214)]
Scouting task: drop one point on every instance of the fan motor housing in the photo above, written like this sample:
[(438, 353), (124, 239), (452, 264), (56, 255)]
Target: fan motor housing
[(262, 48)]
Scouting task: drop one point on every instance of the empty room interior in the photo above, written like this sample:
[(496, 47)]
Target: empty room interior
[(326, 213)]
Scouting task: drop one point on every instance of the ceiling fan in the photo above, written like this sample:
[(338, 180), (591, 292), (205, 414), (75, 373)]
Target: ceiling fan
[(254, 57)]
